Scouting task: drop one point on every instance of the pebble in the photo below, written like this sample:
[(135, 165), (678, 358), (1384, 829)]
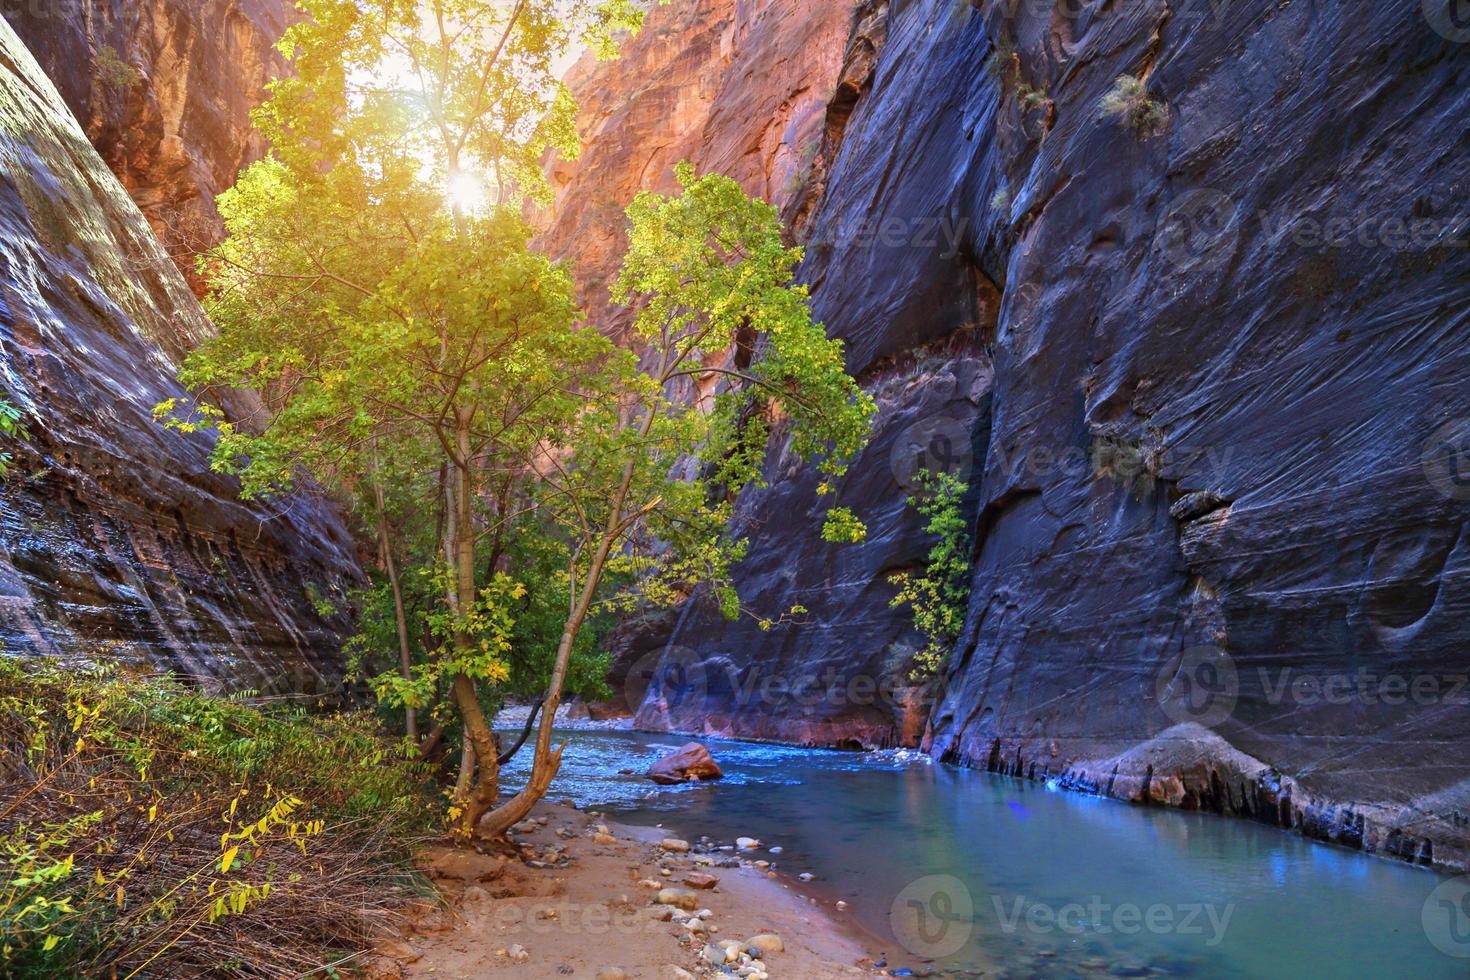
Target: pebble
[(776, 850), (604, 839), (518, 953), (763, 865), (701, 880), (806, 876), (841, 906), (612, 973), (675, 845), (767, 942)]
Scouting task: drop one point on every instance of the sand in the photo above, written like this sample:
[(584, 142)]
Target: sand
[(501, 917)]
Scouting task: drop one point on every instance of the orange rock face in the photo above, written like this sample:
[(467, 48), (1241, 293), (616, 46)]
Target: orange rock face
[(737, 87)]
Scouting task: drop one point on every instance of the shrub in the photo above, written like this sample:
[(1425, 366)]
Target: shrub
[(1032, 98), (148, 829), (12, 429), (940, 594), (1129, 103), (114, 71)]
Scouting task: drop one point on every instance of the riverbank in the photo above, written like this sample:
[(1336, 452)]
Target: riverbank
[(579, 895)]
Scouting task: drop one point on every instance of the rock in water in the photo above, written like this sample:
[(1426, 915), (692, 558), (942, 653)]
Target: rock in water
[(113, 528), (690, 763)]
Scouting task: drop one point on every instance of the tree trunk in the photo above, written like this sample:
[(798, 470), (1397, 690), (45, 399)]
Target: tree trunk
[(390, 566), (548, 760), (479, 783)]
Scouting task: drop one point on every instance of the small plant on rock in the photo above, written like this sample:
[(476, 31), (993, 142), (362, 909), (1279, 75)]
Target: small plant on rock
[(1129, 103), (940, 593), (1032, 98), (10, 429), (114, 71)]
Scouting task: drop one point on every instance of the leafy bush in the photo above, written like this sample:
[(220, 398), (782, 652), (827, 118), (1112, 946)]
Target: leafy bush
[(940, 594), (11, 429), (149, 830), (114, 71), (1129, 103)]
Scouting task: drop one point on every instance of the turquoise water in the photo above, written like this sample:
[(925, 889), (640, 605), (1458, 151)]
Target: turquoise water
[(967, 871)]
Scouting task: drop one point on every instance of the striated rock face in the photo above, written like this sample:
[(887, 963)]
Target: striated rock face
[(1207, 377), (164, 90), (116, 540)]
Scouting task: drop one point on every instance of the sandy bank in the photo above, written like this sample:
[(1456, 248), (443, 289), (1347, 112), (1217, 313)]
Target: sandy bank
[(592, 909)]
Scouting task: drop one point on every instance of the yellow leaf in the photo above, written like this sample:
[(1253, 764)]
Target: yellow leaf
[(121, 896), (153, 813), (228, 859), (50, 943)]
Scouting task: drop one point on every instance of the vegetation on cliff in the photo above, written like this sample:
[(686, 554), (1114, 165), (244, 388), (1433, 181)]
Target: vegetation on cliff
[(938, 595)]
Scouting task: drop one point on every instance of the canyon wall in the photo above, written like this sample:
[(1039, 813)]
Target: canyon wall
[(1203, 363), (164, 90), (117, 542)]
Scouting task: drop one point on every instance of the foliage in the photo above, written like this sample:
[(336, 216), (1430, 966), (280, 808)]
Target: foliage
[(1032, 98), (938, 596), (1128, 101), (11, 428), (646, 483), (540, 560), (150, 829), (705, 272), (488, 622), (1002, 200), (114, 71)]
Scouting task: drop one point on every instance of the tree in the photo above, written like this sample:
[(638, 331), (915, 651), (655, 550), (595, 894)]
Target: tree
[(377, 288), (646, 482)]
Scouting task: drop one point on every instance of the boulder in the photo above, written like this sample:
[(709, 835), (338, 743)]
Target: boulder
[(690, 763)]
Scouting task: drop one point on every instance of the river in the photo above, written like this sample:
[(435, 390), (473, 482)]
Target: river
[(966, 871)]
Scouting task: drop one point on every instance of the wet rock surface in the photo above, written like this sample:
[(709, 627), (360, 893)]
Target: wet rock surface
[(1207, 382), (116, 540)]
